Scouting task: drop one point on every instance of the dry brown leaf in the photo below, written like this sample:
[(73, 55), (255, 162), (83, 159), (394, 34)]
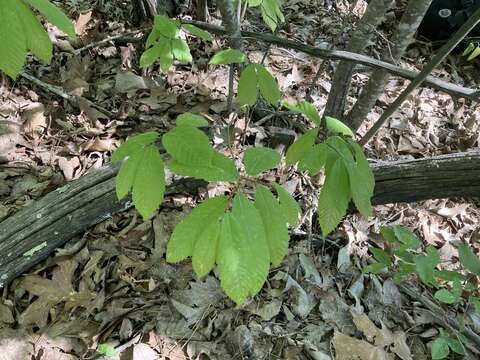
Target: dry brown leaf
[(348, 348), (144, 352), (81, 23), (34, 120), (6, 315), (381, 337)]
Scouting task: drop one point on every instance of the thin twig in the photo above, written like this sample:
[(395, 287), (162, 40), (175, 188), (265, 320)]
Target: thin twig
[(73, 100)]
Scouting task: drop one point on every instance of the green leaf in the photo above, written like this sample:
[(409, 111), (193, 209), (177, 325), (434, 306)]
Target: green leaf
[(243, 255), (381, 256), (455, 345), (374, 268), (220, 168), (133, 144), (126, 176), (268, 85), (440, 349), (247, 86), (407, 238), (271, 13), (188, 146), (258, 160), (290, 208), (205, 250), (306, 108), (334, 198), (445, 296), (388, 234), (337, 127), (54, 15), (195, 31), (341, 148), (362, 181), (107, 350), (228, 56), (165, 54), (181, 51), (253, 3), (469, 49), (449, 275), (364, 168), (315, 160), (475, 53), (149, 56), (274, 224), (425, 265), (12, 57), (193, 235), (37, 38), (191, 120), (301, 147), (468, 259), (475, 301), (149, 183), (163, 26)]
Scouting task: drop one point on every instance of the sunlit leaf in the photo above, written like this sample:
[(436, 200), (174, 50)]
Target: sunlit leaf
[(440, 349), (243, 255), (290, 208), (425, 265), (306, 108), (149, 184), (337, 127), (133, 144), (268, 85), (191, 120), (195, 31), (274, 223), (13, 56), (334, 198), (53, 14), (468, 259), (228, 56), (301, 147), (315, 160), (260, 159), (247, 86), (198, 226)]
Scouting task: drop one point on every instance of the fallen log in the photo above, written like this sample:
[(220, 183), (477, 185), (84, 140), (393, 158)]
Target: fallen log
[(445, 176), (32, 234)]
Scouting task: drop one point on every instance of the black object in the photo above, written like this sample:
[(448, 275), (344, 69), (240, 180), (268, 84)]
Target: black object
[(444, 17)]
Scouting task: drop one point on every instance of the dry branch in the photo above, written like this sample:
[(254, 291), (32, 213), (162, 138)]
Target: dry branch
[(445, 86)]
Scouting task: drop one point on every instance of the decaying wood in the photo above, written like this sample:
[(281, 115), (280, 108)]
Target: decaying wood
[(32, 234), (445, 176)]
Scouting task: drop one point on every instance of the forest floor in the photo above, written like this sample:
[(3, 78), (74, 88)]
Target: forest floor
[(126, 298)]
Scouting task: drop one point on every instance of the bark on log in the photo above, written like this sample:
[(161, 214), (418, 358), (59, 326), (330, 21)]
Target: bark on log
[(445, 176), (32, 234)]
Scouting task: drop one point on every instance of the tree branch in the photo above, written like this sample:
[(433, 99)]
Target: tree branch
[(445, 86)]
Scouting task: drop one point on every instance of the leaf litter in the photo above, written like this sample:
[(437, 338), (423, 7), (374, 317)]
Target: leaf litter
[(116, 288)]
